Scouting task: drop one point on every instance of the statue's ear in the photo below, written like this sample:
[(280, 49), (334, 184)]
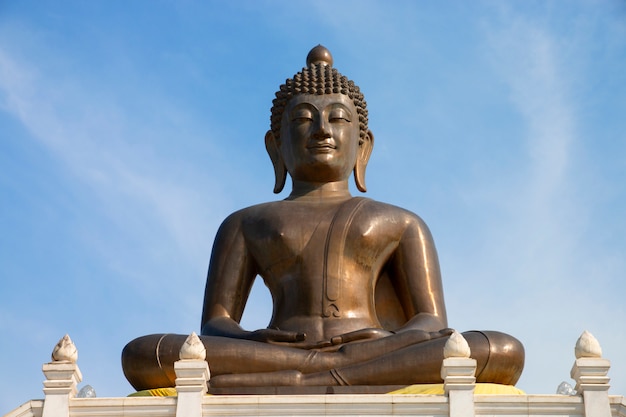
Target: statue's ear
[(280, 170), (366, 145)]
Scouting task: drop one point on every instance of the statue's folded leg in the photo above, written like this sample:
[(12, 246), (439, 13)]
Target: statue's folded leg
[(148, 361), (141, 361), (500, 356), (500, 359), (396, 360)]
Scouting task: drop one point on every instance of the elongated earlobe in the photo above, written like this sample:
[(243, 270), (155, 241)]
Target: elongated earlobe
[(365, 151), (280, 170)]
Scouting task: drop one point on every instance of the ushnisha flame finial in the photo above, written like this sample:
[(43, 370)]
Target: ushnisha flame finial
[(319, 55)]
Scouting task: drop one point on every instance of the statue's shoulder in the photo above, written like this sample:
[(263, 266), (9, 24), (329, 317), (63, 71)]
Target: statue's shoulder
[(393, 213), (251, 213)]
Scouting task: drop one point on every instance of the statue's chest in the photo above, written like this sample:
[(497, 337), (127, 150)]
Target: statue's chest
[(312, 238), (287, 234)]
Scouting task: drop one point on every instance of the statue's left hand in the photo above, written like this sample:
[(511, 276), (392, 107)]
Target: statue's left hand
[(362, 334)]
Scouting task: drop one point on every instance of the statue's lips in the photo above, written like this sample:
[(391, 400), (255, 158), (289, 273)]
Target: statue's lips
[(321, 147)]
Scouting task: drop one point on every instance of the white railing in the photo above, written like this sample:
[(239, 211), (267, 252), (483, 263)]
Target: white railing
[(590, 370)]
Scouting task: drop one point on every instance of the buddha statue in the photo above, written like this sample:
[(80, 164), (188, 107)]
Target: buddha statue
[(355, 283)]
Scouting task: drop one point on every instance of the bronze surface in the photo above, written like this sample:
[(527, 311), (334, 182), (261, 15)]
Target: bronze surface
[(355, 283)]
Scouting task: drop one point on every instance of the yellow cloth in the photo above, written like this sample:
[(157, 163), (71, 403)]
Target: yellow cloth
[(425, 389), (156, 392), (481, 388)]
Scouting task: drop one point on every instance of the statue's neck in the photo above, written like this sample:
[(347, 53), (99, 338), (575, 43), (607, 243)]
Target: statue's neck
[(303, 190)]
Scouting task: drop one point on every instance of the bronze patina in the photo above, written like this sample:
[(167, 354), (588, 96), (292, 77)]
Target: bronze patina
[(355, 283)]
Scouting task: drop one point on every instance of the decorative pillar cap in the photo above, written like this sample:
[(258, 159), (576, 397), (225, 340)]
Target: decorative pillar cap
[(456, 347), (587, 346), (65, 351), (193, 348)]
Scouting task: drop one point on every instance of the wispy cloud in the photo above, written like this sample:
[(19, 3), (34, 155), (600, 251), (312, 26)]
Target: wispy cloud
[(95, 142), (543, 202), (534, 263)]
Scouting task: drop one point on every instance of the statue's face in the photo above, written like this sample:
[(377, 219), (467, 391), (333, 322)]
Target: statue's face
[(319, 137)]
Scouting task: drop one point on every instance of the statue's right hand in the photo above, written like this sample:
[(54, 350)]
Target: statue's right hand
[(226, 327), (275, 335)]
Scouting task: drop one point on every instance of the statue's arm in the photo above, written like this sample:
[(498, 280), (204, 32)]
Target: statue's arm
[(232, 271), (417, 278), (229, 281)]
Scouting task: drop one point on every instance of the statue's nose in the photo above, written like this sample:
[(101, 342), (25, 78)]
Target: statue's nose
[(322, 130)]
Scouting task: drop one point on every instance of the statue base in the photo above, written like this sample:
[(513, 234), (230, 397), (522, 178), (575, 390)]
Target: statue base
[(316, 390)]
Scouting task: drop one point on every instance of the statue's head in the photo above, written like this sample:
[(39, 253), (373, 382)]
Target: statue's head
[(321, 88)]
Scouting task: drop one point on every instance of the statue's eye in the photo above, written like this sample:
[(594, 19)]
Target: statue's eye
[(339, 115), (302, 116)]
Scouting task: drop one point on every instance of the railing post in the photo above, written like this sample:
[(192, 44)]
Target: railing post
[(590, 373), (458, 372), (62, 377), (192, 374)]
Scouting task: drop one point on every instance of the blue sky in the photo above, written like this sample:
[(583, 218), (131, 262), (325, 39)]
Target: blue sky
[(128, 131)]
